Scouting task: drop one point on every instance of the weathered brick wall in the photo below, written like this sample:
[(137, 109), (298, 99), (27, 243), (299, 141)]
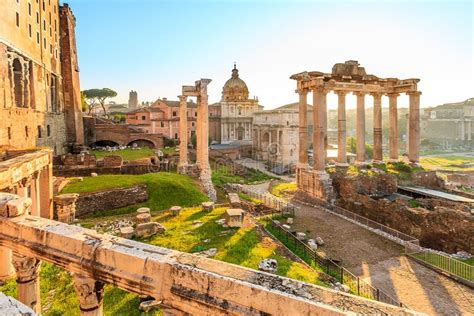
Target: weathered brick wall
[(88, 203)]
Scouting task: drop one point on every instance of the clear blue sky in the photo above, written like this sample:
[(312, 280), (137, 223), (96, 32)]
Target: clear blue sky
[(154, 46)]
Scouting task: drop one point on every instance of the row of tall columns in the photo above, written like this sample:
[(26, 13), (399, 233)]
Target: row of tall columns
[(183, 131), (320, 127)]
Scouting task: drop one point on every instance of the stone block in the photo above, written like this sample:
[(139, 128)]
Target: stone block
[(148, 229), (287, 227), (143, 210), (289, 221), (207, 206), (12, 205), (301, 236), (127, 232), (234, 217), (113, 161), (175, 210), (268, 265), (143, 218), (234, 200)]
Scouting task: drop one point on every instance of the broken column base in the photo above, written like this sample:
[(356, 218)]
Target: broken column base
[(314, 185), (206, 183), (191, 170)]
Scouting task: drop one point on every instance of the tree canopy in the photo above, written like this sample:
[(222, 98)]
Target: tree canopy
[(100, 95)]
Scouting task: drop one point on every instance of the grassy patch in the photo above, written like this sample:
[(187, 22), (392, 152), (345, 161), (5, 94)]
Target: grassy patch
[(247, 198), (221, 176), (448, 163), (414, 203), (168, 150), (164, 190), (126, 154), (282, 189)]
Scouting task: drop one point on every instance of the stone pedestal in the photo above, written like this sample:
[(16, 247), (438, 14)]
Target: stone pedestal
[(143, 218), (28, 291), (207, 206), (65, 205), (316, 184), (175, 210), (91, 294)]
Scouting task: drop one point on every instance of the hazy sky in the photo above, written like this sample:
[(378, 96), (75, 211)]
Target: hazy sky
[(154, 47)]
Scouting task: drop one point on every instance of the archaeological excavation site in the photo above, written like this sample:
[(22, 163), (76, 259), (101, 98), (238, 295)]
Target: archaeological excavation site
[(357, 198)]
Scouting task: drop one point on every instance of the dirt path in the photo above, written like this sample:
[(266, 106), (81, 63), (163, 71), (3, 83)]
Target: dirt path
[(381, 263)]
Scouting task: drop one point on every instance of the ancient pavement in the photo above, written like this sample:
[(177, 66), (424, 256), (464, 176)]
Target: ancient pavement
[(381, 263)]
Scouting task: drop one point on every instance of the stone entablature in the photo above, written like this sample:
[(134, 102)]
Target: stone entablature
[(185, 282)]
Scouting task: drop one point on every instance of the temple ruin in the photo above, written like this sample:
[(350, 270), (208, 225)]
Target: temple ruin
[(346, 78), (202, 168)]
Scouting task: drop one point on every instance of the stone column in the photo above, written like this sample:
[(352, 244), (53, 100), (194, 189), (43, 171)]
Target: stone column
[(469, 130), (27, 281), (46, 192), (319, 129), (341, 128), (91, 294), (183, 133), (414, 127), (393, 128), (360, 127), (378, 156), (202, 130), (35, 195), (303, 128), (463, 130)]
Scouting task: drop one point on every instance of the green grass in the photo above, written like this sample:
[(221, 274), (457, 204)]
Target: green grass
[(243, 246), (126, 154), (454, 266), (248, 198), (280, 190), (221, 176), (448, 163), (169, 150), (164, 190)]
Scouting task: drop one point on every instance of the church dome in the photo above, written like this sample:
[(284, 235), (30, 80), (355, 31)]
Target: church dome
[(235, 88)]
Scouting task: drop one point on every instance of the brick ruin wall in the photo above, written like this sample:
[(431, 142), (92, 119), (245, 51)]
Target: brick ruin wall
[(438, 224), (19, 126), (88, 203)]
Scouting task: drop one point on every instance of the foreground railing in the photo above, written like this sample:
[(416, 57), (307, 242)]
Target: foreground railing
[(185, 282), (357, 285)]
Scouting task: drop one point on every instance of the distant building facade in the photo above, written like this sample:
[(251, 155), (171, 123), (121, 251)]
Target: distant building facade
[(39, 76), (275, 134), (450, 124), (162, 117), (237, 111)]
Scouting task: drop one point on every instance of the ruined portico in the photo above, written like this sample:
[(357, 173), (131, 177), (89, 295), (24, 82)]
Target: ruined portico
[(28, 174), (202, 167), (346, 78)]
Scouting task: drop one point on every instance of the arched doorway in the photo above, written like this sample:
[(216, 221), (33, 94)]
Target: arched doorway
[(142, 143), (240, 133), (104, 143)]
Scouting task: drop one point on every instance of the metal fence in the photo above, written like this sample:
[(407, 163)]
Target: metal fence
[(453, 267), (344, 276), (270, 201)]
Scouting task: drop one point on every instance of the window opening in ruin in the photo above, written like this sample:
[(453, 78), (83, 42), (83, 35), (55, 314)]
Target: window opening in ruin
[(175, 135), (32, 86), (48, 130), (53, 91), (29, 30), (18, 19), (174, 113), (143, 118), (29, 8), (9, 131), (18, 82), (39, 131), (26, 131)]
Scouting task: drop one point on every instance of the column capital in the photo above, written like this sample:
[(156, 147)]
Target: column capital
[(414, 93), (359, 93), (393, 94), (376, 94), (340, 93), (26, 267), (89, 291), (182, 98), (321, 89), (302, 91)]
